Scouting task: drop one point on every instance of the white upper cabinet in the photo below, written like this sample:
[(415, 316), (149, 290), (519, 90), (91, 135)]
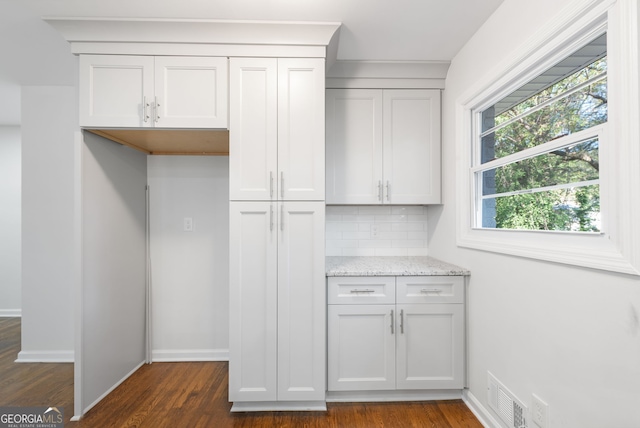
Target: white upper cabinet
[(122, 91), (354, 146), (301, 129), (276, 147), (253, 119), (383, 146)]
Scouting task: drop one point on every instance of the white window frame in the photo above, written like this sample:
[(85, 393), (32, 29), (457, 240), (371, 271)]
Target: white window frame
[(617, 247)]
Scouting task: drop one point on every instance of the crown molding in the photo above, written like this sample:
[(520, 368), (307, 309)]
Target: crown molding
[(387, 74), (116, 33)]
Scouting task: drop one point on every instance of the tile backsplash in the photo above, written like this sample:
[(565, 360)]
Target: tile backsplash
[(376, 231)]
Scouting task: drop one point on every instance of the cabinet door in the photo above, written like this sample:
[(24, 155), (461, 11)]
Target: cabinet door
[(361, 347), (411, 146), (253, 141), (190, 92), (252, 301), (301, 153), (354, 146), (301, 302), (430, 345), (115, 91)]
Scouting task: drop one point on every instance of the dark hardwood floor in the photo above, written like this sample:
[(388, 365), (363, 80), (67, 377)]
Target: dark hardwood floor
[(195, 395)]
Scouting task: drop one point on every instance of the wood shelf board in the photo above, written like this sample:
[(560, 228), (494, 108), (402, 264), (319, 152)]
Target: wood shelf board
[(170, 141)]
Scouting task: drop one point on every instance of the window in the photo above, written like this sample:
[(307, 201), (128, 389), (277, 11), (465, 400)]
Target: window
[(537, 149), (547, 153)]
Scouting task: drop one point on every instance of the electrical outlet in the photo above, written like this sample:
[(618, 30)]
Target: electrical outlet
[(374, 231), (188, 224), (539, 412)]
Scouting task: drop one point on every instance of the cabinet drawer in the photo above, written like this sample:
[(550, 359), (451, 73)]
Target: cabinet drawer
[(354, 290), (430, 289)]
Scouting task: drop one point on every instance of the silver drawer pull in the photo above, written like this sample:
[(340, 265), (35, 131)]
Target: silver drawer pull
[(431, 290), (362, 291)]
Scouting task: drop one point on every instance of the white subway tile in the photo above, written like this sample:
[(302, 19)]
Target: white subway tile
[(391, 252), (414, 217), (409, 243), (392, 235), (356, 235), (333, 217), (332, 235), (399, 210), (374, 210), (417, 226), (333, 252), (417, 251), (399, 227), (364, 227), (374, 243), (417, 235), (358, 252), (384, 227), (419, 210)]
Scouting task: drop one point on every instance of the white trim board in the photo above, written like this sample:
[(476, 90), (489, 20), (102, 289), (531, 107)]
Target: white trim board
[(482, 413), (45, 357), (616, 249), (177, 355), (10, 313), (387, 74), (390, 396), (231, 37)]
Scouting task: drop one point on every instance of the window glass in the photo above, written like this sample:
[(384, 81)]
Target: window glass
[(550, 181)]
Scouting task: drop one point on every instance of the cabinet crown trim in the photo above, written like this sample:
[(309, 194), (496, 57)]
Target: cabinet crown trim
[(82, 30)]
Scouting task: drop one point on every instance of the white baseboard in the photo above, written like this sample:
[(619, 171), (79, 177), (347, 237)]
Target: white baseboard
[(279, 406), (10, 313), (108, 391), (482, 413), (45, 357), (402, 395), (177, 355)]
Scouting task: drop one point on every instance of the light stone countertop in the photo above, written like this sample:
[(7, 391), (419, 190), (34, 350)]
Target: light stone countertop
[(390, 266)]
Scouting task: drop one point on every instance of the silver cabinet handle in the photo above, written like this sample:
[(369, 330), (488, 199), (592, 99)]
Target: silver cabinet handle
[(391, 321), (432, 290), (401, 321), (271, 219), (388, 189), (282, 184), (281, 217), (145, 108), (156, 109), (356, 290), (380, 190), (271, 184)]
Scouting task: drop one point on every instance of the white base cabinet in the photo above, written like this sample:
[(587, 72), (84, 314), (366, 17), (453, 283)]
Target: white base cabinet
[(395, 333), (383, 146), (277, 302), (128, 91)]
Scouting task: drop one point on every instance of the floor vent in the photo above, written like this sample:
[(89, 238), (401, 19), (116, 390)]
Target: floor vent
[(510, 410)]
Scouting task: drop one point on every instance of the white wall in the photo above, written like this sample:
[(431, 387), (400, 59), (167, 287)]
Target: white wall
[(190, 270), (10, 247), (49, 120), (569, 335)]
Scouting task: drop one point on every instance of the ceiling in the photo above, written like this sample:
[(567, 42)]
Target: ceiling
[(33, 53)]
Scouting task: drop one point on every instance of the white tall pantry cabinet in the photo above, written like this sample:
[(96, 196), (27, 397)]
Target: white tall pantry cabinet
[(277, 296)]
